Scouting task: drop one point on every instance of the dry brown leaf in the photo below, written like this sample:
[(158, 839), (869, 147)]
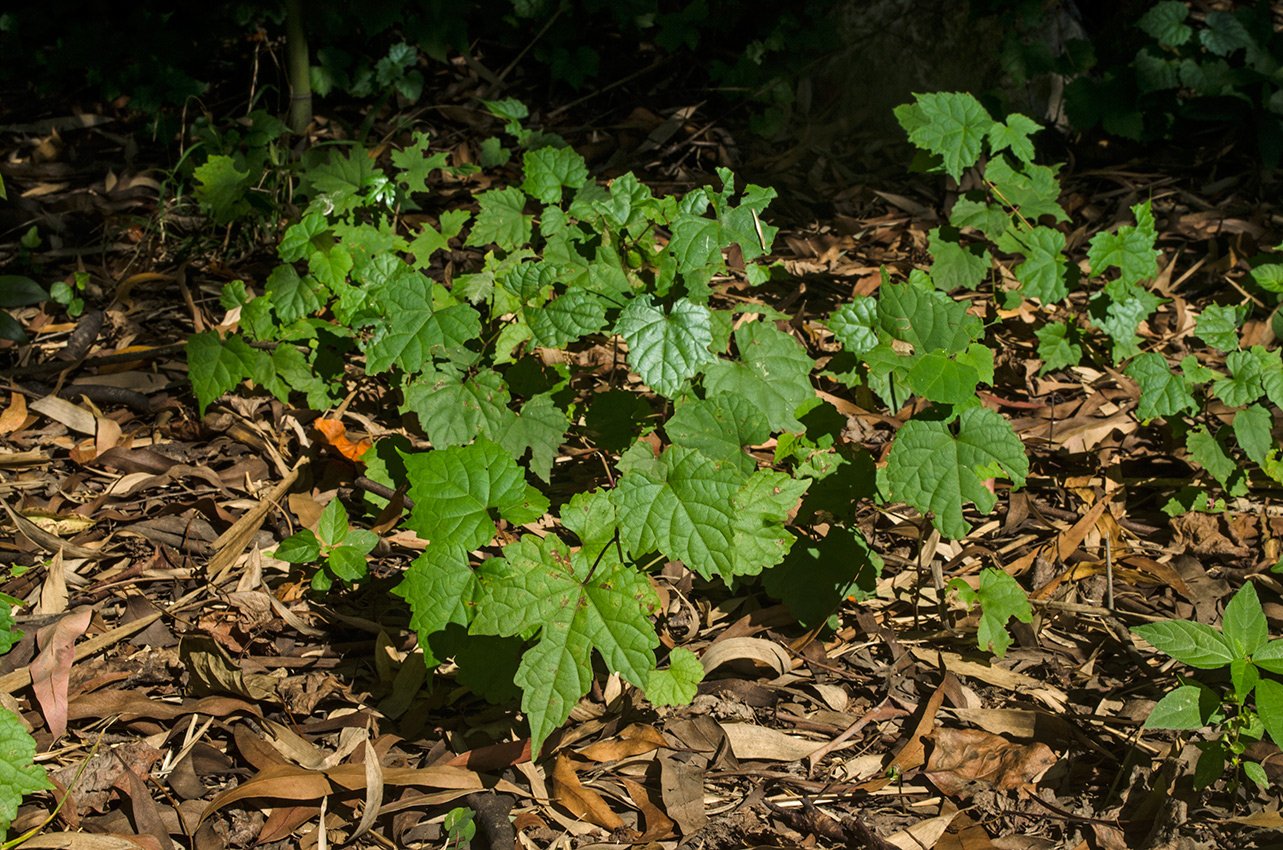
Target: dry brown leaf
[(14, 417), (749, 741), (681, 784), (51, 669), (970, 759), (656, 825), (636, 739), (756, 650), (580, 801)]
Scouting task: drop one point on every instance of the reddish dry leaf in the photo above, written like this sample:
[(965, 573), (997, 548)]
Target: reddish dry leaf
[(581, 802), (283, 821), (51, 670), (132, 706), (335, 434), (494, 756), (963, 757)]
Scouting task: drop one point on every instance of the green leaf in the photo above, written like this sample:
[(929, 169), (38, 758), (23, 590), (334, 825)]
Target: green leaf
[(1224, 34), (548, 169), (956, 266), (818, 575), (569, 317), (666, 350), (678, 684), (1218, 325), (18, 775), (1210, 453), (1269, 277), (332, 527), (1254, 771), (452, 413), (1186, 707), (215, 366), (577, 605), (1211, 763), (1032, 190), (761, 506), (1014, 134), (440, 587), (1058, 347), (1130, 250), (1269, 707), (1252, 426), (414, 164), (19, 291), (500, 220), (853, 324), (1195, 644), (1001, 597), (417, 331), (1163, 393), (348, 563), (720, 428), (540, 427), (990, 219), (10, 329), (773, 372), (680, 506), (301, 547), (1043, 273), (936, 377), (454, 490), (1270, 656), (951, 125), (1245, 387), (1165, 21), (292, 297), (933, 470), (927, 319), (1244, 624), (220, 189)]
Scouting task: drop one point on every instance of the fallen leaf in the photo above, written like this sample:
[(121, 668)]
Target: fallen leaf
[(335, 435), (580, 801), (964, 759), (51, 669)]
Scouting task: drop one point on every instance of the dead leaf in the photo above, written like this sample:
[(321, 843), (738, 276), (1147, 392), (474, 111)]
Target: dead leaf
[(335, 436), (749, 741), (580, 801), (51, 670), (972, 759)]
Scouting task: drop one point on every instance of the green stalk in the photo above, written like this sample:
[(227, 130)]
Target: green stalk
[(298, 67)]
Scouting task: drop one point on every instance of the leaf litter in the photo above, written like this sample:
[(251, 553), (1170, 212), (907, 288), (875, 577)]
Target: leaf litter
[(185, 688)]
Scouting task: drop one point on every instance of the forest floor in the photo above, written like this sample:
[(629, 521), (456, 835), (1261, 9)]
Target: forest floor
[(186, 689)]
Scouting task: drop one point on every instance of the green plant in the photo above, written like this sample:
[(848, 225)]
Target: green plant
[(340, 549), (565, 264), (17, 291), (1165, 73), (1245, 710), (68, 294), (1001, 597), (19, 776), (459, 827)]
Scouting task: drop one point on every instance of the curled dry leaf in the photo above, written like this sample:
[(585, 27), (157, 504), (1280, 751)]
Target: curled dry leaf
[(963, 758), (580, 801)]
